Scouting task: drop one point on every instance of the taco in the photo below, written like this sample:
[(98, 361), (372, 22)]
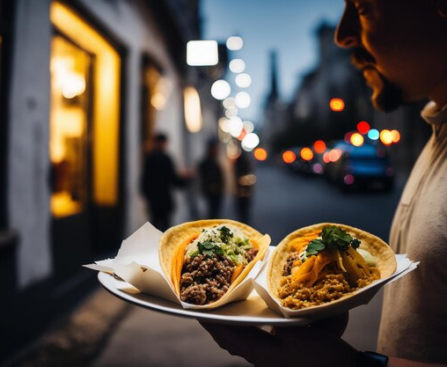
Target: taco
[(205, 260), (322, 263)]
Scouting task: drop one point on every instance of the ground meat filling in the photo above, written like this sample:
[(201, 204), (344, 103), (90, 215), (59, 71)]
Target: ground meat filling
[(205, 279)]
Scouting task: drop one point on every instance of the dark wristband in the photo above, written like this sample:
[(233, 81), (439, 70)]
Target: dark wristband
[(371, 359)]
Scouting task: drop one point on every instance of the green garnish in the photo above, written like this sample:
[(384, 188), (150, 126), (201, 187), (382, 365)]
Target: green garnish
[(332, 238), (209, 249), (225, 234)]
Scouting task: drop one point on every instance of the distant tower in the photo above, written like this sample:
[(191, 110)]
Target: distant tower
[(274, 108), (273, 96)]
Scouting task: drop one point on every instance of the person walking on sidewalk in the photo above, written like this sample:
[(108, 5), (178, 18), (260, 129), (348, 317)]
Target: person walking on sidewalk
[(212, 179), (158, 179)]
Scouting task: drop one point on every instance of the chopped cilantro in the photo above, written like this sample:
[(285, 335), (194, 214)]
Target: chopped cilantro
[(332, 238), (209, 249), (225, 234)]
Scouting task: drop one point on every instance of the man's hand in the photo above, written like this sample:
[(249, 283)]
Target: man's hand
[(316, 345)]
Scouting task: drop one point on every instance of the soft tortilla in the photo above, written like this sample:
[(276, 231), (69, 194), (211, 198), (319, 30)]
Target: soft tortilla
[(386, 260), (175, 238)]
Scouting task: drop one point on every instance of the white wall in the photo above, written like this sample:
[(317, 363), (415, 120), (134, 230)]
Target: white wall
[(28, 190)]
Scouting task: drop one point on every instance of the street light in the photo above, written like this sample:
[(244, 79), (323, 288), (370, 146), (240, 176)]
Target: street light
[(237, 66), (220, 89), (243, 80), (202, 53), (243, 100), (235, 43), (337, 104)]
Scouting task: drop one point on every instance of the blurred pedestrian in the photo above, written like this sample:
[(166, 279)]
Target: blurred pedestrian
[(244, 185), (401, 49), (212, 179), (158, 179)]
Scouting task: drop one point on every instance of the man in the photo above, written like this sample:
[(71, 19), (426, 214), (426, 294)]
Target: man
[(401, 47), (211, 179), (157, 181)]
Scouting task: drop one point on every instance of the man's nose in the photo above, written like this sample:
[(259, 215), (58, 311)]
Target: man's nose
[(348, 29)]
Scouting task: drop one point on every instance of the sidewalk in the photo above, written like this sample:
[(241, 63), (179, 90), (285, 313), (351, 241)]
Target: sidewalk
[(106, 332)]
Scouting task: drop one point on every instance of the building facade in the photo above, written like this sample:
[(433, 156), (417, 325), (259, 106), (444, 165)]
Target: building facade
[(85, 85)]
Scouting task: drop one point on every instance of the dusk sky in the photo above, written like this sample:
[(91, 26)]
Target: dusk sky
[(287, 26)]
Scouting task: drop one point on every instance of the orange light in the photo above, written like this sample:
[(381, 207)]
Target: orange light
[(386, 137), (306, 154), (334, 155), (363, 127), (396, 136), (242, 135), (326, 157), (260, 154), (337, 104), (319, 146), (357, 139), (288, 156)]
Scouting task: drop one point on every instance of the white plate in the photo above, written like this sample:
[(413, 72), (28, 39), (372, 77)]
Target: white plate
[(251, 312)]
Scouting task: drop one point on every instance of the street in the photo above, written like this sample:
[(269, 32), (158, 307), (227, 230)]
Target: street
[(285, 201)]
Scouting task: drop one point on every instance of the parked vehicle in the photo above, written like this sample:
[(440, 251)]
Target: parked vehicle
[(367, 166)]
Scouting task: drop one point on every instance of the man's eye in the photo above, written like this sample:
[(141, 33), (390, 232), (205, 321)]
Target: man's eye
[(362, 9)]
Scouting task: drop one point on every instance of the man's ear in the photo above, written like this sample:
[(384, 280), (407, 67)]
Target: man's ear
[(441, 7)]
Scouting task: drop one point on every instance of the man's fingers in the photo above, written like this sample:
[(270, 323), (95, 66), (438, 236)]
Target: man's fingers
[(240, 340), (335, 325)]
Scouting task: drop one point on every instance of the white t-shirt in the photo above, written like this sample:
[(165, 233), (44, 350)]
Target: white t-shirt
[(414, 316)]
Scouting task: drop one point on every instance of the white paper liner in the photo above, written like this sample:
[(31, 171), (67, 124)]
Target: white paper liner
[(137, 263), (357, 298)]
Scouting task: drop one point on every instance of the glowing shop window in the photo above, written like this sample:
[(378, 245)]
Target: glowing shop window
[(78, 48), (70, 100)]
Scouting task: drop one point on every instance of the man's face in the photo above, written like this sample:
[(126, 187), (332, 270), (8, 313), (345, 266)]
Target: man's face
[(397, 44)]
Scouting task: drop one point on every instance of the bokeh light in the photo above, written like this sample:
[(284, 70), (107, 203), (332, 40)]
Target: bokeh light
[(395, 136), (319, 146), (349, 179), (363, 127), (317, 168), (386, 137), (334, 155), (373, 134), (243, 100), (337, 104), (288, 157), (249, 127), (229, 102), (235, 126), (243, 80), (220, 89), (250, 142), (348, 136), (235, 43), (306, 154), (237, 66), (260, 154), (357, 139)]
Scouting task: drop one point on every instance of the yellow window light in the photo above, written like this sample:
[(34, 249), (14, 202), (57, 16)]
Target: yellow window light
[(106, 99), (193, 112)]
